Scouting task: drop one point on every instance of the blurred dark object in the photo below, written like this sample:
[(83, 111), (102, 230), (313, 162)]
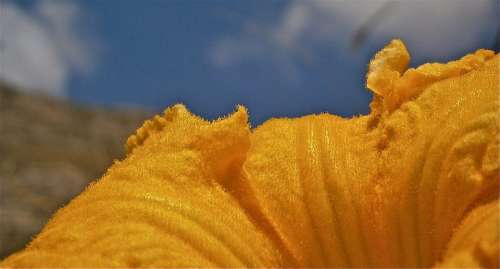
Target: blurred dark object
[(49, 151), (368, 26), (496, 46)]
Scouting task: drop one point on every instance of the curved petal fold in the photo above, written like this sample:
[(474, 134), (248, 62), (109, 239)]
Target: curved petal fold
[(476, 241), (164, 205)]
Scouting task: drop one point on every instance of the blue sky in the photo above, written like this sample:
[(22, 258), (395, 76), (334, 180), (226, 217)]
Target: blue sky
[(278, 58)]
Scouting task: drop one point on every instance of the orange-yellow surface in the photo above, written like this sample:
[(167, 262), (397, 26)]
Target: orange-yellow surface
[(415, 183)]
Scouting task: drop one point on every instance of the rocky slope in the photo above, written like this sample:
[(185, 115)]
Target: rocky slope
[(49, 151)]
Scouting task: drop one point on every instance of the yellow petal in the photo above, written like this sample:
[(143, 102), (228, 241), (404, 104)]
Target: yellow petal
[(339, 192), (476, 241), (386, 68), (165, 205), (438, 150), (382, 190), (388, 78), (306, 176)]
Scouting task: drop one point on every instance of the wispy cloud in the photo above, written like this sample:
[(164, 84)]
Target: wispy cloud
[(430, 28), (41, 47)]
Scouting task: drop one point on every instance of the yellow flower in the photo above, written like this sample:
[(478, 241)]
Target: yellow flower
[(412, 184)]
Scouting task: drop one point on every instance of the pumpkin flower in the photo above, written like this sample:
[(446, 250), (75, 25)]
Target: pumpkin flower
[(415, 183)]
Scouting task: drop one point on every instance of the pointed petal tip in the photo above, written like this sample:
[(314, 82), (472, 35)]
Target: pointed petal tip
[(155, 125), (241, 114), (177, 108), (386, 67), (237, 119)]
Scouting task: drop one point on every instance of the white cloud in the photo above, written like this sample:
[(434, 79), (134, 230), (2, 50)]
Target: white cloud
[(40, 48), (430, 28)]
